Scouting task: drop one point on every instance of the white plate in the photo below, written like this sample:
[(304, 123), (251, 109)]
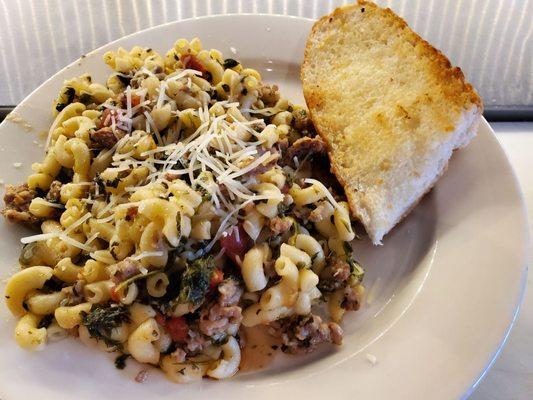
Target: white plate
[(445, 286)]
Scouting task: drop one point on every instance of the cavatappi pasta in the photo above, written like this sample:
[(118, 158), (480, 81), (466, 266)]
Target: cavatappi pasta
[(177, 204)]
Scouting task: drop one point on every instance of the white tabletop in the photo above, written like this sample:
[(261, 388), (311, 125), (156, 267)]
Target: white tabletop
[(511, 376)]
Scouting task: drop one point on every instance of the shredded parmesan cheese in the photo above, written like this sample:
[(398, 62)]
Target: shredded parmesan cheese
[(39, 237), (53, 205), (333, 202), (146, 254)]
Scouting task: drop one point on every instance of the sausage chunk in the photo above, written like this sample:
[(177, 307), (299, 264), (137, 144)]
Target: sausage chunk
[(218, 321), (125, 269), (105, 137), (279, 225), (302, 334), (54, 193), (269, 95), (301, 120), (305, 147), (334, 275), (230, 292), (18, 199)]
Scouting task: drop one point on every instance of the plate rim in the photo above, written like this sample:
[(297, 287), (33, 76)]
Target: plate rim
[(528, 255)]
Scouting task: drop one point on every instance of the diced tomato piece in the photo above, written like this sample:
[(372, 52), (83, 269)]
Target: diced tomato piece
[(216, 277), (135, 100), (177, 328), (160, 319), (115, 296), (106, 119), (235, 242), (191, 62), (131, 213)]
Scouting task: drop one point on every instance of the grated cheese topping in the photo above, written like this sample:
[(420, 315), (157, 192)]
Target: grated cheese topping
[(146, 254)]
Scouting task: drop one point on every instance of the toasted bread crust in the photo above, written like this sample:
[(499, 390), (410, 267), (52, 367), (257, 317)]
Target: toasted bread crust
[(442, 66), (461, 100)]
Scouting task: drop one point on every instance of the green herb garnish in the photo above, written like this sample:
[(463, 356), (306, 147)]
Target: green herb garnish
[(102, 320), (70, 93), (295, 230), (230, 63), (195, 280), (283, 208), (60, 106), (219, 339), (347, 248), (357, 273), (120, 361), (86, 98), (29, 255)]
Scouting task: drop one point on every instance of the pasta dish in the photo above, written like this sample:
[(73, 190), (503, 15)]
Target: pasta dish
[(180, 202)]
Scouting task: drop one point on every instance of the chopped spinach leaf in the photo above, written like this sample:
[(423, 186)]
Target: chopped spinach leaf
[(60, 106), (230, 63), (219, 339), (120, 361), (123, 79), (102, 320), (357, 273), (70, 93), (30, 254), (195, 280), (282, 209), (86, 98), (53, 285)]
